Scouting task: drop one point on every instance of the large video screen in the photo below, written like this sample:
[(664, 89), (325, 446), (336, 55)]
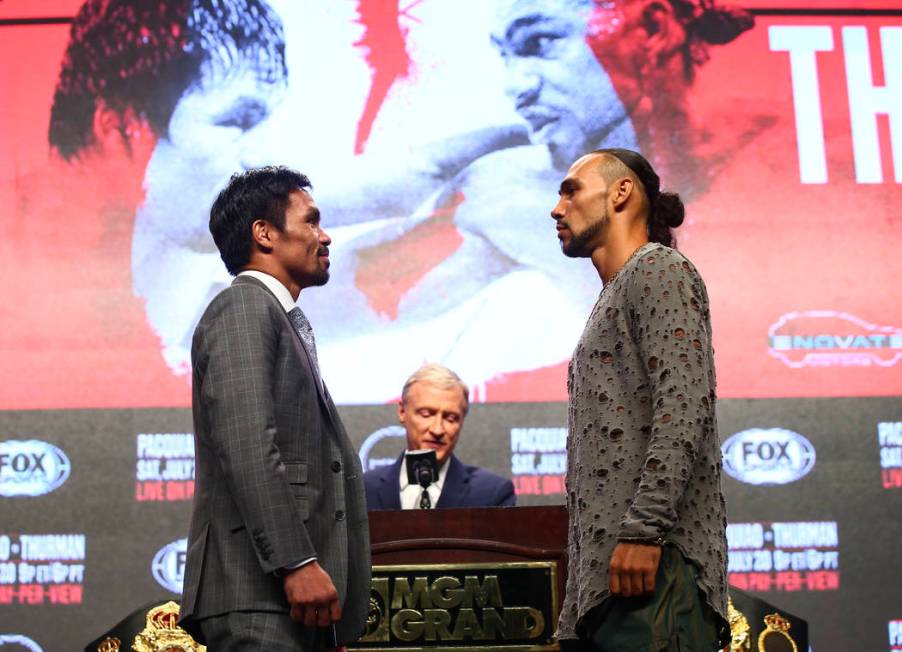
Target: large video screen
[(436, 134)]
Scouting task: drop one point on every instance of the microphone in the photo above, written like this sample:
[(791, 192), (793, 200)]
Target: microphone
[(422, 467)]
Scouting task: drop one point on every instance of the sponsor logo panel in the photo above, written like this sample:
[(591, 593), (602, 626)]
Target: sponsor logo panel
[(539, 461), (784, 556), (31, 467), (164, 469), (828, 338), (889, 438), (18, 643), (381, 448), (38, 569), (168, 565), (768, 456)]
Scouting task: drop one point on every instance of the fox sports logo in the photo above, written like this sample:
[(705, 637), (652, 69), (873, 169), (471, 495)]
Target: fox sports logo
[(31, 467), (168, 566), (767, 456)]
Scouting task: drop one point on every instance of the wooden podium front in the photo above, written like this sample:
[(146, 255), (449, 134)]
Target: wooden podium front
[(487, 578)]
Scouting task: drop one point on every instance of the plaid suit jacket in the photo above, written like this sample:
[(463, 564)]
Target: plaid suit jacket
[(277, 480)]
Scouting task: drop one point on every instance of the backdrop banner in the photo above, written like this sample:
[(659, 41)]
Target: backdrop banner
[(436, 135)]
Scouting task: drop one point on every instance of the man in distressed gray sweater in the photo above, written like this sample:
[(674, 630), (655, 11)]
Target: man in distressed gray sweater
[(647, 516)]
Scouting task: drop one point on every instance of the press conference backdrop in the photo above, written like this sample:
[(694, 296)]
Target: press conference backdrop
[(435, 134)]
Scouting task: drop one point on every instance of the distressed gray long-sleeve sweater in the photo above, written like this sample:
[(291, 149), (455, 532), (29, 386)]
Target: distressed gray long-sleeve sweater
[(643, 453)]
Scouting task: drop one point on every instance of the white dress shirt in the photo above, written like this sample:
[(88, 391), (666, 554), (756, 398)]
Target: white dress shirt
[(274, 285), (410, 493)]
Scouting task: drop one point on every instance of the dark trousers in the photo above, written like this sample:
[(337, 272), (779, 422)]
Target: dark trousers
[(250, 631), (674, 619)]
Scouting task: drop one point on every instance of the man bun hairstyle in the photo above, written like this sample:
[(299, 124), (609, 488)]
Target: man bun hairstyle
[(665, 214), (255, 194), (665, 209)]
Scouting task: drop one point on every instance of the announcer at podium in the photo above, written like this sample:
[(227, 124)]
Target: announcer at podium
[(433, 406)]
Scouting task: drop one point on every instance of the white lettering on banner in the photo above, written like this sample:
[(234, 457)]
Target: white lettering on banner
[(867, 100), (788, 556), (890, 433), (538, 440), (745, 535), (891, 457), (526, 463), (175, 444), (41, 547), (803, 43), (804, 535)]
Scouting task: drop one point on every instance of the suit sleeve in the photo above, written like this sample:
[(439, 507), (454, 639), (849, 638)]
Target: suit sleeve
[(670, 324), (237, 353), (505, 495)]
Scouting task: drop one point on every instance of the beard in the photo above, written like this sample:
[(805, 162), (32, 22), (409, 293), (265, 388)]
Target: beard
[(321, 279), (583, 243), (321, 275)]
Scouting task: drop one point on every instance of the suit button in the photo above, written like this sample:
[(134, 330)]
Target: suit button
[(336, 466), (339, 515)]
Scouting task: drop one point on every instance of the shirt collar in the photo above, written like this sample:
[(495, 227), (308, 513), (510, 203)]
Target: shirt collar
[(274, 285)]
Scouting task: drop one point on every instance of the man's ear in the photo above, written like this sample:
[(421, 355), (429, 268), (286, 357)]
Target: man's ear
[(262, 233), (620, 192), (402, 415)]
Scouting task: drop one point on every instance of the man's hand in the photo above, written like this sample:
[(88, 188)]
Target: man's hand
[(633, 568), (312, 596)]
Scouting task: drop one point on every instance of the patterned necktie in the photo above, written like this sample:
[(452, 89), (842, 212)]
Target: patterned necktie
[(425, 502), (299, 320)]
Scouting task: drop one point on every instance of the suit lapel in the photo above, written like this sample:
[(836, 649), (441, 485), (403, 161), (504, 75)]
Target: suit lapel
[(302, 352), (456, 485), (390, 488)]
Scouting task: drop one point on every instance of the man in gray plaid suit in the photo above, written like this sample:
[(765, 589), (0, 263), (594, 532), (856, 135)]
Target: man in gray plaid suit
[(278, 549)]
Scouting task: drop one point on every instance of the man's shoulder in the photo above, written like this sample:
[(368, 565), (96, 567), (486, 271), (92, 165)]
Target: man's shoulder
[(481, 476), (656, 253), (380, 473), (244, 294), (664, 262), (240, 309), (487, 488)]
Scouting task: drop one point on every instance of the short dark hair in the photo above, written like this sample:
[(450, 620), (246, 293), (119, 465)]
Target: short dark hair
[(255, 194), (665, 209), (143, 56)]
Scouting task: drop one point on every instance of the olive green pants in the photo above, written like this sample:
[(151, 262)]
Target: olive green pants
[(674, 619)]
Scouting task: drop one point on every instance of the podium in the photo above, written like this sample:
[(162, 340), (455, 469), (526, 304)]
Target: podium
[(493, 578), (466, 579)]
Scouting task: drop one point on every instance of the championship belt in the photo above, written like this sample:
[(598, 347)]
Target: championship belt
[(161, 632), (777, 626), (740, 640)]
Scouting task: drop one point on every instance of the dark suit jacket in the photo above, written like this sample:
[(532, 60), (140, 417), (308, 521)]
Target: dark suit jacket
[(277, 480), (465, 486)]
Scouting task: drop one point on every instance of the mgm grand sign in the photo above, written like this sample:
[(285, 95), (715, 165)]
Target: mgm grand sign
[(499, 606)]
